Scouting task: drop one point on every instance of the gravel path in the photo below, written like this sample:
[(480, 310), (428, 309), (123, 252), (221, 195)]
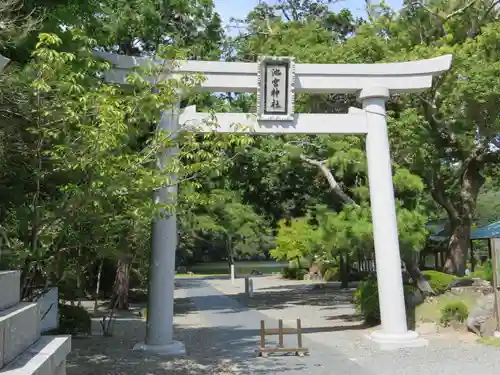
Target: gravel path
[(236, 333), (333, 331)]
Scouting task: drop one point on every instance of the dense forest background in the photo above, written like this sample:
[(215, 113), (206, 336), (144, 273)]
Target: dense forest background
[(77, 155)]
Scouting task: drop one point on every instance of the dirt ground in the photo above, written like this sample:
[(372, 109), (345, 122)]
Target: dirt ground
[(325, 311), (99, 355)]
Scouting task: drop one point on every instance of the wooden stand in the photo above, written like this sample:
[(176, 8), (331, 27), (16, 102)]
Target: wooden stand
[(280, 331)]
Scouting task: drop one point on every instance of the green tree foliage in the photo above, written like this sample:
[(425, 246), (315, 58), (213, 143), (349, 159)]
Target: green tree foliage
[(85, 174), (125, 26), (77, 155), (229, 225), (297, 239), (446, 135)]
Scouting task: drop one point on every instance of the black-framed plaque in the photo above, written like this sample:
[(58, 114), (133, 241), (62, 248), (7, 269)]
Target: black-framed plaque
[(276, 83)]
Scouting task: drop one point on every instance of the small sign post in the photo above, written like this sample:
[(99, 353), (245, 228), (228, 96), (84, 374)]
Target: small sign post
[(275, 93), (248, 286)]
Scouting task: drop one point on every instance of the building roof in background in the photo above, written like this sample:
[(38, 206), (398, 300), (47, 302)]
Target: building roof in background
[(489, 231), (439, 230)]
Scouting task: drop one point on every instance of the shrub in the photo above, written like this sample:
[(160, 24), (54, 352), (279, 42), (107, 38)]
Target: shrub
[(332, 274), (74, 320), (484, 271), (360, 275), (293, 273), (366, 300), (454, 312), (439, 281)]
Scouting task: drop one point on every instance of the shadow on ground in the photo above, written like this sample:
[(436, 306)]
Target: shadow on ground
[(280, 297), (114, 355), (211, 350)]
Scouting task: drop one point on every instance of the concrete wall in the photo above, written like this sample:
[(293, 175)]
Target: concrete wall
[(49, 312)]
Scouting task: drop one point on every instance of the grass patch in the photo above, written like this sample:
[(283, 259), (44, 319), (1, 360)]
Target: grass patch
[(430, 310), (490, 341)]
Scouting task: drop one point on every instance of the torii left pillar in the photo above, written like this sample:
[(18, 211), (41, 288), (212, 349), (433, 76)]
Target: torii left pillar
[(160, 314)]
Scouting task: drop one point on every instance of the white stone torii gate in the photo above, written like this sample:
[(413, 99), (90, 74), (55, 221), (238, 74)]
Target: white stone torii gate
[(373, 84)]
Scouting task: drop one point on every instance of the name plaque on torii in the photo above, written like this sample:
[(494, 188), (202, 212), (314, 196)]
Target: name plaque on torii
[(275, 88)]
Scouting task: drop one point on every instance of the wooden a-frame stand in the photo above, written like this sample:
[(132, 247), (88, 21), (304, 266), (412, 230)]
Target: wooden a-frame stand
[(281, 331)]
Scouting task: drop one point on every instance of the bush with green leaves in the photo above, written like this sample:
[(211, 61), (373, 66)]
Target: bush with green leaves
[(455, 311), (332, 274), (293, 273), (484, 271), (74, 320), (296, 239), (367, 302), (439, 281)]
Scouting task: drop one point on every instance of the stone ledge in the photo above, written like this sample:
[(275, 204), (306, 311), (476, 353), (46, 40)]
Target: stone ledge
[(46, 357), (19, 329), (10, 290)]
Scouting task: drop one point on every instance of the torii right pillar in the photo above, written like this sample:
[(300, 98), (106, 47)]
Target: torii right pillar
[(394, 332)]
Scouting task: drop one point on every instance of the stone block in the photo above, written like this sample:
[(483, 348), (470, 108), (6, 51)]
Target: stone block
[(49, 309), (21, 328), (46, 357), (10, 291)]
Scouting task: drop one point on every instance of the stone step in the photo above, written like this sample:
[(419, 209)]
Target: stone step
[(10, 289), (19, 329), (45, 357)]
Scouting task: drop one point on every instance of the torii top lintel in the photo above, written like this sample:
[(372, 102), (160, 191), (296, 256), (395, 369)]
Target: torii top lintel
[(313, 78)]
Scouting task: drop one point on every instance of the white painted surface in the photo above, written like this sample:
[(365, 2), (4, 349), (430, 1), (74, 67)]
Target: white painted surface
[(303, 123), (313, 78)]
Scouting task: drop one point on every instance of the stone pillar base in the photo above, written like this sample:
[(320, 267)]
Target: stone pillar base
[(175, 348), (388, 341)]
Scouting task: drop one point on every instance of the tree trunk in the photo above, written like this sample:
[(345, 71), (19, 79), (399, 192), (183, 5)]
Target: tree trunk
[(121, 285), (98, 285), (458, 247), (418, 277), (461, 211)]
